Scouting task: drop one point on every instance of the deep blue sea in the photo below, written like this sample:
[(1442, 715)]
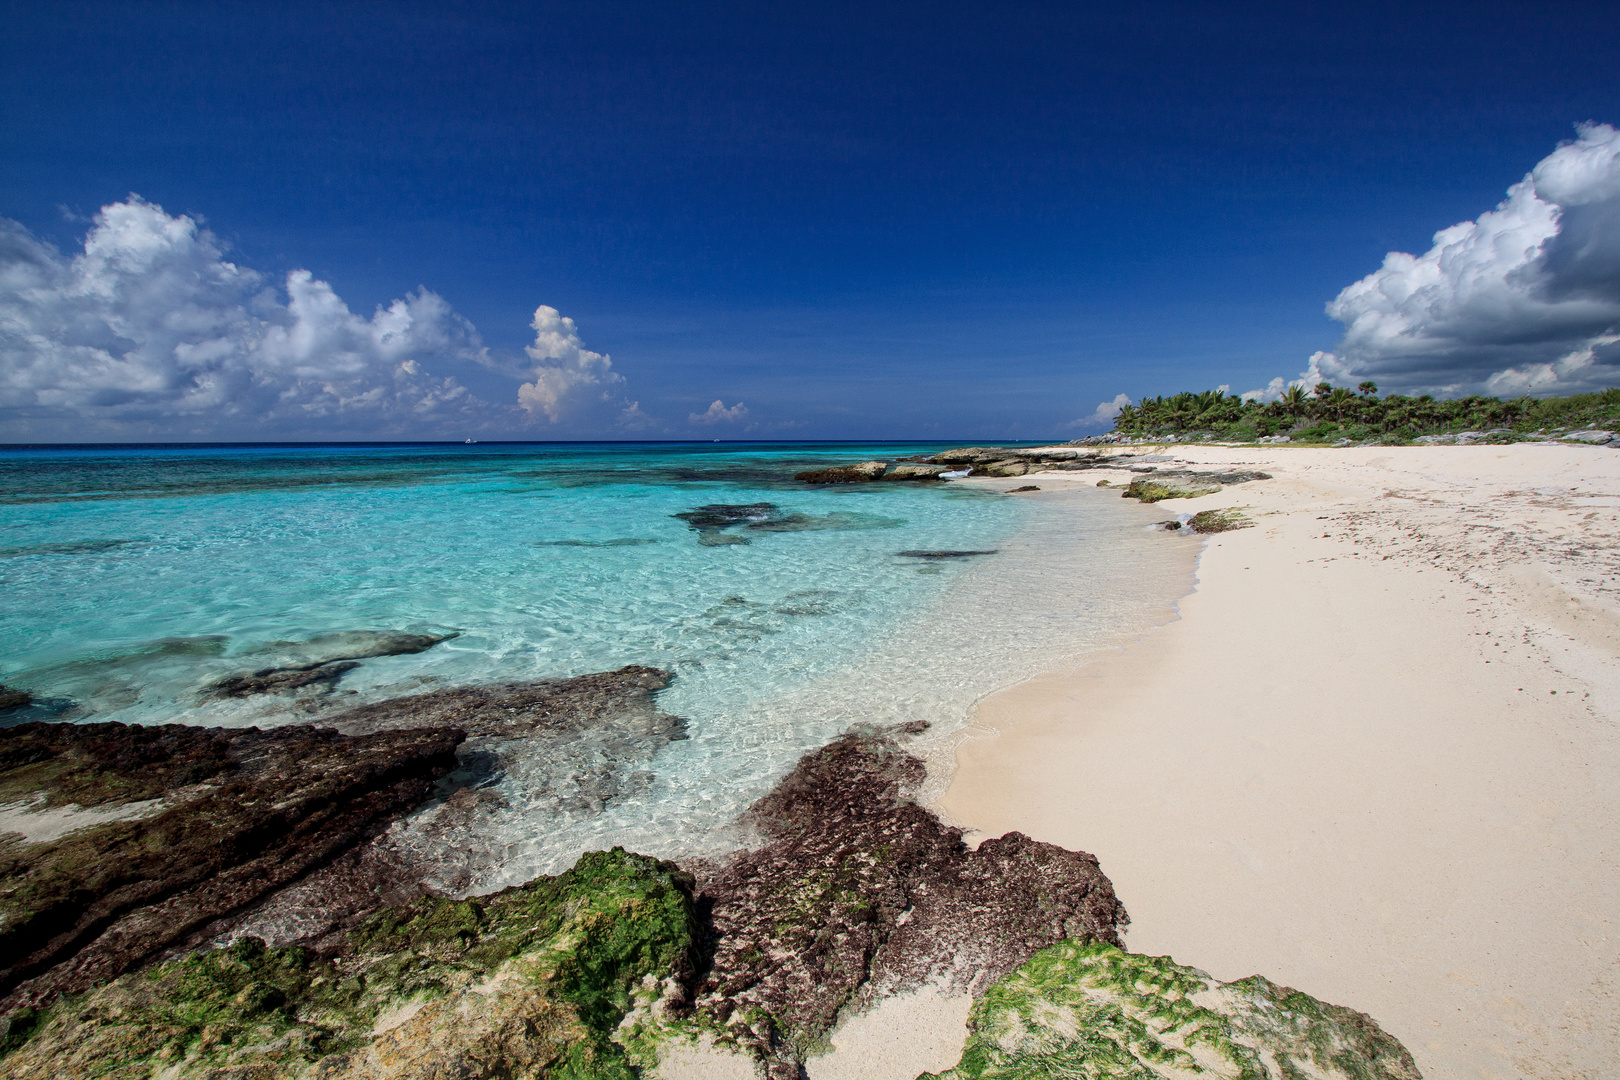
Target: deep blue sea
[(134, 578)]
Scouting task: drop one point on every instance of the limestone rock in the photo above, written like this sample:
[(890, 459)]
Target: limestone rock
[(915, 472), (844, 474), (1185, 484), (247, 812), (858, 893), (530, 982), (1093, 1010)]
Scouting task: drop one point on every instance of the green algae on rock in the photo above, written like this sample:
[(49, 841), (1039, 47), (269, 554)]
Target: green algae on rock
[(535, 981), (1218, 521), (1152, 491), (1092, 1010)]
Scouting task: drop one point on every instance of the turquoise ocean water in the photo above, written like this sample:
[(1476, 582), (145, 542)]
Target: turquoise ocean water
[(134, 578)]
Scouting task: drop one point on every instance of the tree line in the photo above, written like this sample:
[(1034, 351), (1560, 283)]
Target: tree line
[(1330, 413)]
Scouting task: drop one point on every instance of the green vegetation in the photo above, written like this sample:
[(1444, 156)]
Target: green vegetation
[(1152, 491), (1330, 413), (1217, 521), (1093, 1011), (534, 980)]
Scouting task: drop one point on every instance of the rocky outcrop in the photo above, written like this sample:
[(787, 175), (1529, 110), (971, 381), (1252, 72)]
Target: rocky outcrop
[(1218, 521), (915, 472), (245, 812), (1021, 490), (534, 981), (858, 892), (12, 698), (1093, 1010), (844, 474), (851, 893), (1185, 484)]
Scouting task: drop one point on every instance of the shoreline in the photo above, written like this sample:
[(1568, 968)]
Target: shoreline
[(1315, 773)]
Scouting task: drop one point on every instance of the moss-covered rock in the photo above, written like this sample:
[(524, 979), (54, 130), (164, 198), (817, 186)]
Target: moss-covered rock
[(1152, 491), (532, 982), (1218, 521), (1093, 1011)]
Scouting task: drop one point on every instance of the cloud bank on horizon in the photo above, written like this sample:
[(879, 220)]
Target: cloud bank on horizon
[(151, 332), (1525, 300)]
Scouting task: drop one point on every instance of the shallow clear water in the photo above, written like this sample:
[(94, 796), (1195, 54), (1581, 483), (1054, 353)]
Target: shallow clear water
[(135, 578)]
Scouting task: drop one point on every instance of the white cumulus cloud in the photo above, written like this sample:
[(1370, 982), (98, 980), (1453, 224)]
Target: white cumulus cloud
[(565, 370), (150, 331), (719, 414), (1104, 414), (1524, 299)]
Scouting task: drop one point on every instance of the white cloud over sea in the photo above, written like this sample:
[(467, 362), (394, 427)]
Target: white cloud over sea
[(1525, 299), (1104, 414), (150, 331), (717, 413)]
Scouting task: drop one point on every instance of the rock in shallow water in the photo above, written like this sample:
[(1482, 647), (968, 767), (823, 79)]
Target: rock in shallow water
[(248, 811), (855, 893), (322, 661), (844, 474)]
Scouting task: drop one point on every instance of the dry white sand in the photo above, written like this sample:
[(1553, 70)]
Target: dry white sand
[(1375, 759)]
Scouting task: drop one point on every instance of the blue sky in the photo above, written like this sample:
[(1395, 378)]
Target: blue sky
[(873, 220)]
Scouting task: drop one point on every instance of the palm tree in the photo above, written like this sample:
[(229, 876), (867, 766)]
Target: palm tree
[(1338, 400), (1293, 400), (1368, 388)]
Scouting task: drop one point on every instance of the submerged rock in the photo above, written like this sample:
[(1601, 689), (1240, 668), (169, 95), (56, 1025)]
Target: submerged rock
[(534, 981), (323, 660), (562, 747), (709, 521), (12, 698), (1021, 490), (858, 893), (1092, 1010), (837, 520), (916, 554), (282, 680), (246, 812)]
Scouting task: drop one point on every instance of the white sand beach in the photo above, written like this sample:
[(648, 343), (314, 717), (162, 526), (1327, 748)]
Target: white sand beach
[(1376, 757)]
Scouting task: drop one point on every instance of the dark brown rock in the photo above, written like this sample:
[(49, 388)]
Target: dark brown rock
[(915, 472), (12, 698), (283, 680), (1020, 490), (248, 812), (844, 474), (858, 892)]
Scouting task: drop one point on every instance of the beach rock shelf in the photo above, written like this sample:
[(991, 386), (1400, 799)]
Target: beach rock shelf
[(190, 826), (238, 913), (1003, 462)]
